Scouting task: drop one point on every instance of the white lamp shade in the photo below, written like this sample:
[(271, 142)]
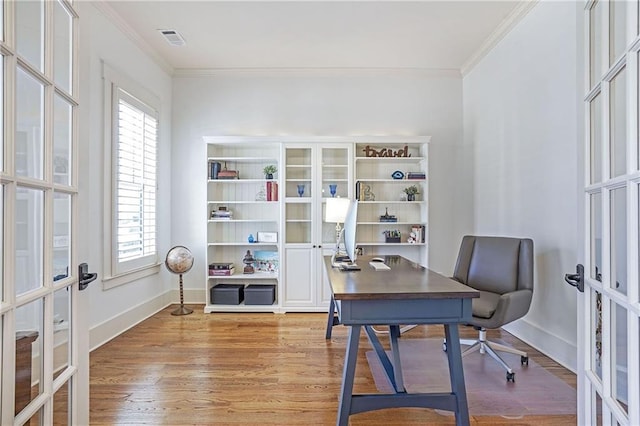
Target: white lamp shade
[(336, 210)]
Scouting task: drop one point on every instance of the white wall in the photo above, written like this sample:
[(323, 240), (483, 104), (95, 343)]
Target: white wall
[(320, 102), (115, 310), (520, 115)]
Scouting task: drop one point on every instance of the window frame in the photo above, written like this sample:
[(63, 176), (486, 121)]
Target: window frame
[(118, 273)]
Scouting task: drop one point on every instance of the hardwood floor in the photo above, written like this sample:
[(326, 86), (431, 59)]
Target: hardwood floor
[(244, 369)]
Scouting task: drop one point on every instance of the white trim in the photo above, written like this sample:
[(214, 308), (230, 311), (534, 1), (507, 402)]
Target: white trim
[(518, 13), (212, 72), (104, 7), (123, 321), (109, 282)]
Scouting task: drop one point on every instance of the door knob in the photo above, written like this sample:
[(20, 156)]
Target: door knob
[(576, 280), (84, 276)]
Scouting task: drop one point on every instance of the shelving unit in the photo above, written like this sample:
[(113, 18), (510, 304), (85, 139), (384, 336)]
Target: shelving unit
[(251, 213), (379, 194), (318, 166)]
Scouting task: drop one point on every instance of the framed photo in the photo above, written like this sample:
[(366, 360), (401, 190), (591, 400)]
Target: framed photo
[(267, 237), (266, 261)]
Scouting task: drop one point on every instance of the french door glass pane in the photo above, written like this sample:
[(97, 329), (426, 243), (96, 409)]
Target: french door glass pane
[(2, 165), (619, 240), (61, 331), (61, 406), (29, 32), (29, 239), (61, 235), (62, 129), (595, 42), (62, 59), (596, 236), (596, 138), (596, 334), (29, 348), (596, 408), (29, 126), (619, 343), (618, 114), (2, 240), (617, 28)]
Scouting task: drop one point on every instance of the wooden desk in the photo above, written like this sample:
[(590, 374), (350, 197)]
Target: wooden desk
[(406, 294)]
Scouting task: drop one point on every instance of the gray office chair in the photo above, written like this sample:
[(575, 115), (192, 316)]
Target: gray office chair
[(501, 269)]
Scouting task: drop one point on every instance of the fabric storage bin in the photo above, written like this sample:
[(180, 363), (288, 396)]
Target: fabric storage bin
[(227, 294), (259, 294)]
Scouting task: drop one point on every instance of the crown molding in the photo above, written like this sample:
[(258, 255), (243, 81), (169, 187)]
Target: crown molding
[(518, 13), (104, 8), (212, 72)]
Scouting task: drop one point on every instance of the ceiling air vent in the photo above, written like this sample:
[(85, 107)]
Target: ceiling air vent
[(173, 37)]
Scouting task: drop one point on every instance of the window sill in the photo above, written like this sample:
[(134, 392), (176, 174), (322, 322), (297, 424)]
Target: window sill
[(125, 278)]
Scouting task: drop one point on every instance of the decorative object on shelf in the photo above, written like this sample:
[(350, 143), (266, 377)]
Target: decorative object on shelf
[(261, 195), (266, 261), (411, 192), (367, 193), (251, 239), (272, 190), (336, 212), (413, 238), (214, 169), (386, 217), (333, 188), (371, 151), (300, 190), (228, 174), (179, 260), (416, 175), (267, 237), (397, 175), (392, 236), (269, 171), (248, 263)]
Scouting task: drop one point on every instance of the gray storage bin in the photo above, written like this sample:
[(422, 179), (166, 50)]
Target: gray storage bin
[(227, 294), (259, 294)]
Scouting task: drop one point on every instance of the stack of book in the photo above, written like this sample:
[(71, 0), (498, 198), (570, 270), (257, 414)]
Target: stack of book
[(221, 214), (272, 190), (416, 175), (221, 269)]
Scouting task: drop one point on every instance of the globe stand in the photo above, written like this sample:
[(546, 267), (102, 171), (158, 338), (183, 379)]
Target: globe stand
[(179, 260), (182, 310)]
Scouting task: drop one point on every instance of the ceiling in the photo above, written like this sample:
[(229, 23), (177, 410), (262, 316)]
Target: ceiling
[(314, 34)]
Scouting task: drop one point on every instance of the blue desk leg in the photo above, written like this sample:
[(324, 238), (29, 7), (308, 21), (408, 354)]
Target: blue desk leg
[(456, 374), (348, 373), (330, 319), (394, 333)]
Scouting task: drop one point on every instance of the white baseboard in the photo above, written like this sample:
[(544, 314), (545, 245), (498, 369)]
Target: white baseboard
[(107, 330), (556, 348)]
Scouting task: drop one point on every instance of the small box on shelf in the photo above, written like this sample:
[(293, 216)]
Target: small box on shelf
[(227, 294), (259, 294)]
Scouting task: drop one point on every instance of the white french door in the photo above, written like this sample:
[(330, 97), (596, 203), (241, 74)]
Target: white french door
[(608, 309), (44, 365)]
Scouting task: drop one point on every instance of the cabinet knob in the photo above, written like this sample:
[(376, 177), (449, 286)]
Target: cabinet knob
[(319, 246), (314, 246)]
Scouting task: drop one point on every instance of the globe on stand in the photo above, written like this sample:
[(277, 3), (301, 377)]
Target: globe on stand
[(179, 260)]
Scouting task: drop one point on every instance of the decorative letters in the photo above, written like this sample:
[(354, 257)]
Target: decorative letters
[(370, 151)]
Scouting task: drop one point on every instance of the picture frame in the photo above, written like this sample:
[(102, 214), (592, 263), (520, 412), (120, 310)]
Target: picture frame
[(267, 237)]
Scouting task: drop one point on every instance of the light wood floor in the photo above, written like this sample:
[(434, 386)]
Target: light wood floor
[(244, 369)]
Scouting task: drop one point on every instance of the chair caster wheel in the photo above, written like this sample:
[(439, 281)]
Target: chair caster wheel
[(511, 377), (524, 360), (444, 347)]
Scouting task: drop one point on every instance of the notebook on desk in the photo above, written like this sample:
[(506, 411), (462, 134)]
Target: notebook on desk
[(379, 266)]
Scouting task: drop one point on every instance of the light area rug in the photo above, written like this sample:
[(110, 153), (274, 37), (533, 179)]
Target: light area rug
[(425, 369)]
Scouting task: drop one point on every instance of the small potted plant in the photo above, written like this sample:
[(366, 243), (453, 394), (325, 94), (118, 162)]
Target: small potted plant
[(411, 192), (269, 171)]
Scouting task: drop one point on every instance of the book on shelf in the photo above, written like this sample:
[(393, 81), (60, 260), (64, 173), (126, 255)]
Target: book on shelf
[(419, 231), (272, 190), (358, 188), (416, 175), (222, 272)]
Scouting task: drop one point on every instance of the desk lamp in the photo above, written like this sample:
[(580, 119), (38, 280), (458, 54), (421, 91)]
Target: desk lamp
[(336, 212)]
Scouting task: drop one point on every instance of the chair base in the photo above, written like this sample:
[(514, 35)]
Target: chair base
[(484, 346)]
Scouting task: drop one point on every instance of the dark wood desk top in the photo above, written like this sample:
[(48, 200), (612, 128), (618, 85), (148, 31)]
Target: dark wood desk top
[(405, 280)]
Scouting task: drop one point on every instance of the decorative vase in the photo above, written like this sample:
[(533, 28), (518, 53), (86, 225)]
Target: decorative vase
[(333, 189), (300, 190), (269, 176), (411, 197)]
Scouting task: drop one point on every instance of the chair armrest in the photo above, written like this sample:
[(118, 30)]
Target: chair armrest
[(512, 306)]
